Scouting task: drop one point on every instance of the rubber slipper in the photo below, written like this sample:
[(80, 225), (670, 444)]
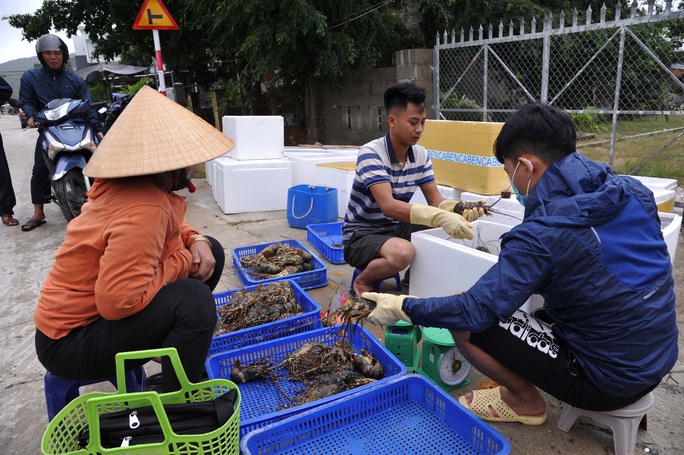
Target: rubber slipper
[(31, 224), (485, 400), (9, 220)]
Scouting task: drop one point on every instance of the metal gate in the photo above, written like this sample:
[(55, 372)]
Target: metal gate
[(622, 81)]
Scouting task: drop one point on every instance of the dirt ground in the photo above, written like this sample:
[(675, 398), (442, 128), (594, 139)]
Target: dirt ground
[(27, 256)]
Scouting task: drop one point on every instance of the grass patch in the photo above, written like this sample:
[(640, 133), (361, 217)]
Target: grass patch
[(631, 151), (200, 171)]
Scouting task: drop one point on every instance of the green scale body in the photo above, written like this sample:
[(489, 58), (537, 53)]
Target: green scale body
[(440, 359)]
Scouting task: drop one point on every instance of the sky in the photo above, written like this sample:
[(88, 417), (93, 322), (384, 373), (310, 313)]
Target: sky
[(12, 45)]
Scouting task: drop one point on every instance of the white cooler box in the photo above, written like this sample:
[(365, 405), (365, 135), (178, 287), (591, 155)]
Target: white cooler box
[(256, 137), (341, 178), (510, 212), (505, 211), (670, 224), (444, 266), (209, 169), (251, 186), (305, 164), (447, 192)]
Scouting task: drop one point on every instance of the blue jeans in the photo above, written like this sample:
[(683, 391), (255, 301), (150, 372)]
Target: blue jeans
[(7, 197), (40, 176)]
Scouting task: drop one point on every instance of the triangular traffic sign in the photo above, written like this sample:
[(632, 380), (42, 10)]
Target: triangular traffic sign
[(154, 16)]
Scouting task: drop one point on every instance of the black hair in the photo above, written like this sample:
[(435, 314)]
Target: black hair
[(399, 95), (540, 129)]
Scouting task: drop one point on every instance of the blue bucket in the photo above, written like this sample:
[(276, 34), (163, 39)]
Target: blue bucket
[(309, 204)]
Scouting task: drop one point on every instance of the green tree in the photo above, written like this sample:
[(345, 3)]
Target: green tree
[(288, 42), (291, 42)]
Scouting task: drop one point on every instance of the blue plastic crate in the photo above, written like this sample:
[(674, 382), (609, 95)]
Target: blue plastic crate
[(323, 236), (310, 319), (405, 415), (261, 399), (315, 278)]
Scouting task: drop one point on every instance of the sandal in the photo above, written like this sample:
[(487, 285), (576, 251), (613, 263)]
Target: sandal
[(485, 400), (9, 220), (31, 224)]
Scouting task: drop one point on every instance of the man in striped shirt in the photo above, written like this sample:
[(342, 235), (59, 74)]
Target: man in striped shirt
[(379, 220)]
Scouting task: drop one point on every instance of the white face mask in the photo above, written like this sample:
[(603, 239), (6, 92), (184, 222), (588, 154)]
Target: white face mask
[(522, 198)]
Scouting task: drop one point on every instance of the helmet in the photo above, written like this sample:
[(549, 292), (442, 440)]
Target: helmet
[(50, 42)]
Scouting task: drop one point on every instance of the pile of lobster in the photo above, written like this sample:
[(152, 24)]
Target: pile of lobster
[(324, 370), (277, 260), (265, 304)]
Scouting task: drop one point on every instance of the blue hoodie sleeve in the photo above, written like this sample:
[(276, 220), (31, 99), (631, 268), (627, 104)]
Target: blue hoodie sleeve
[(5, 91), (27, 94), (524, 265)]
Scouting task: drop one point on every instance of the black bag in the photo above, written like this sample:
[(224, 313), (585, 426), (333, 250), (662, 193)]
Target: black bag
[(141, 426)]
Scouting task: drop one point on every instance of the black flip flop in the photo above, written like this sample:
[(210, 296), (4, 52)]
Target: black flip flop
[(31, 224)]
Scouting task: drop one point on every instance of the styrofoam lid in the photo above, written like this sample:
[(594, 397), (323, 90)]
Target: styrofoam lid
[(227, 162), (656, 182), (662, 195)]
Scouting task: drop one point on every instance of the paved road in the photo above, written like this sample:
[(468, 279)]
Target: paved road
[(27, 256)]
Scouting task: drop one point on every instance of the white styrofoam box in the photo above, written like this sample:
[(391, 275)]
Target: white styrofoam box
[(340, 179), (447, 192), (670, 224), (656, 182), (506, 211), (251, 186), (290, 150), (445, 266), (256, 137), (510, 212), (664, 198), (304, 165), (209, 169)]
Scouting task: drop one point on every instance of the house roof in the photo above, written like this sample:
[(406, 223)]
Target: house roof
[(113, 68)]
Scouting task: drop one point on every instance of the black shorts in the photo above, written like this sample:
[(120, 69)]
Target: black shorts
[(527, 346), (364, 246)]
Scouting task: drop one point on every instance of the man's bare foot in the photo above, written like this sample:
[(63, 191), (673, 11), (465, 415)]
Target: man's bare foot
[(360, 286), (533, 407)]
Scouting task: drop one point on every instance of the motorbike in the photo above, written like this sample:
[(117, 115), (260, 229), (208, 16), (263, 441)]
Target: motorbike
[(109, 114), (67, 141)]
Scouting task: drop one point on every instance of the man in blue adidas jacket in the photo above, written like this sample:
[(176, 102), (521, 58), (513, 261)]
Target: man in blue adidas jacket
[(591, 245)]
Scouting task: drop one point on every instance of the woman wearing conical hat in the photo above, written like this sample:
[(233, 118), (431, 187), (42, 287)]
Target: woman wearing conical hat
[(132, 274)]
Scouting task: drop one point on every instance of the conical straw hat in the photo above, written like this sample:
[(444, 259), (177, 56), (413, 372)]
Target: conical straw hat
[(152, 135)]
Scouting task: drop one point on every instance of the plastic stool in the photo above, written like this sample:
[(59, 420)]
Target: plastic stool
[(376, 283), (624, 422), (59, 391)]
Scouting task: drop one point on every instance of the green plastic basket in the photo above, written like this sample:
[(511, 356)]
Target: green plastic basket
[(61, 435)]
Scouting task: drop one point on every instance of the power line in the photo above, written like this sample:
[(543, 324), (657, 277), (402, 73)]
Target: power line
[(362, 13)]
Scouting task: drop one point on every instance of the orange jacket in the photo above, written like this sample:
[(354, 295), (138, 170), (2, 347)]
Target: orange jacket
[(128, 242)]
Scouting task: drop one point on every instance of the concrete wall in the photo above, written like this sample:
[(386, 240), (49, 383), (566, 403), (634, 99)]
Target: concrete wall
[(352, 112)]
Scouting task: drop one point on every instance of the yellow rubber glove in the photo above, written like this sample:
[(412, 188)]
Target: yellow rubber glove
[(448, 205), (469, 214), (453, 223), (475, 213), (388, 308)]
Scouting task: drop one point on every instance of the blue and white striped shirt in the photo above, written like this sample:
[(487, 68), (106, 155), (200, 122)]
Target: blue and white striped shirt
[(377, 163)]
